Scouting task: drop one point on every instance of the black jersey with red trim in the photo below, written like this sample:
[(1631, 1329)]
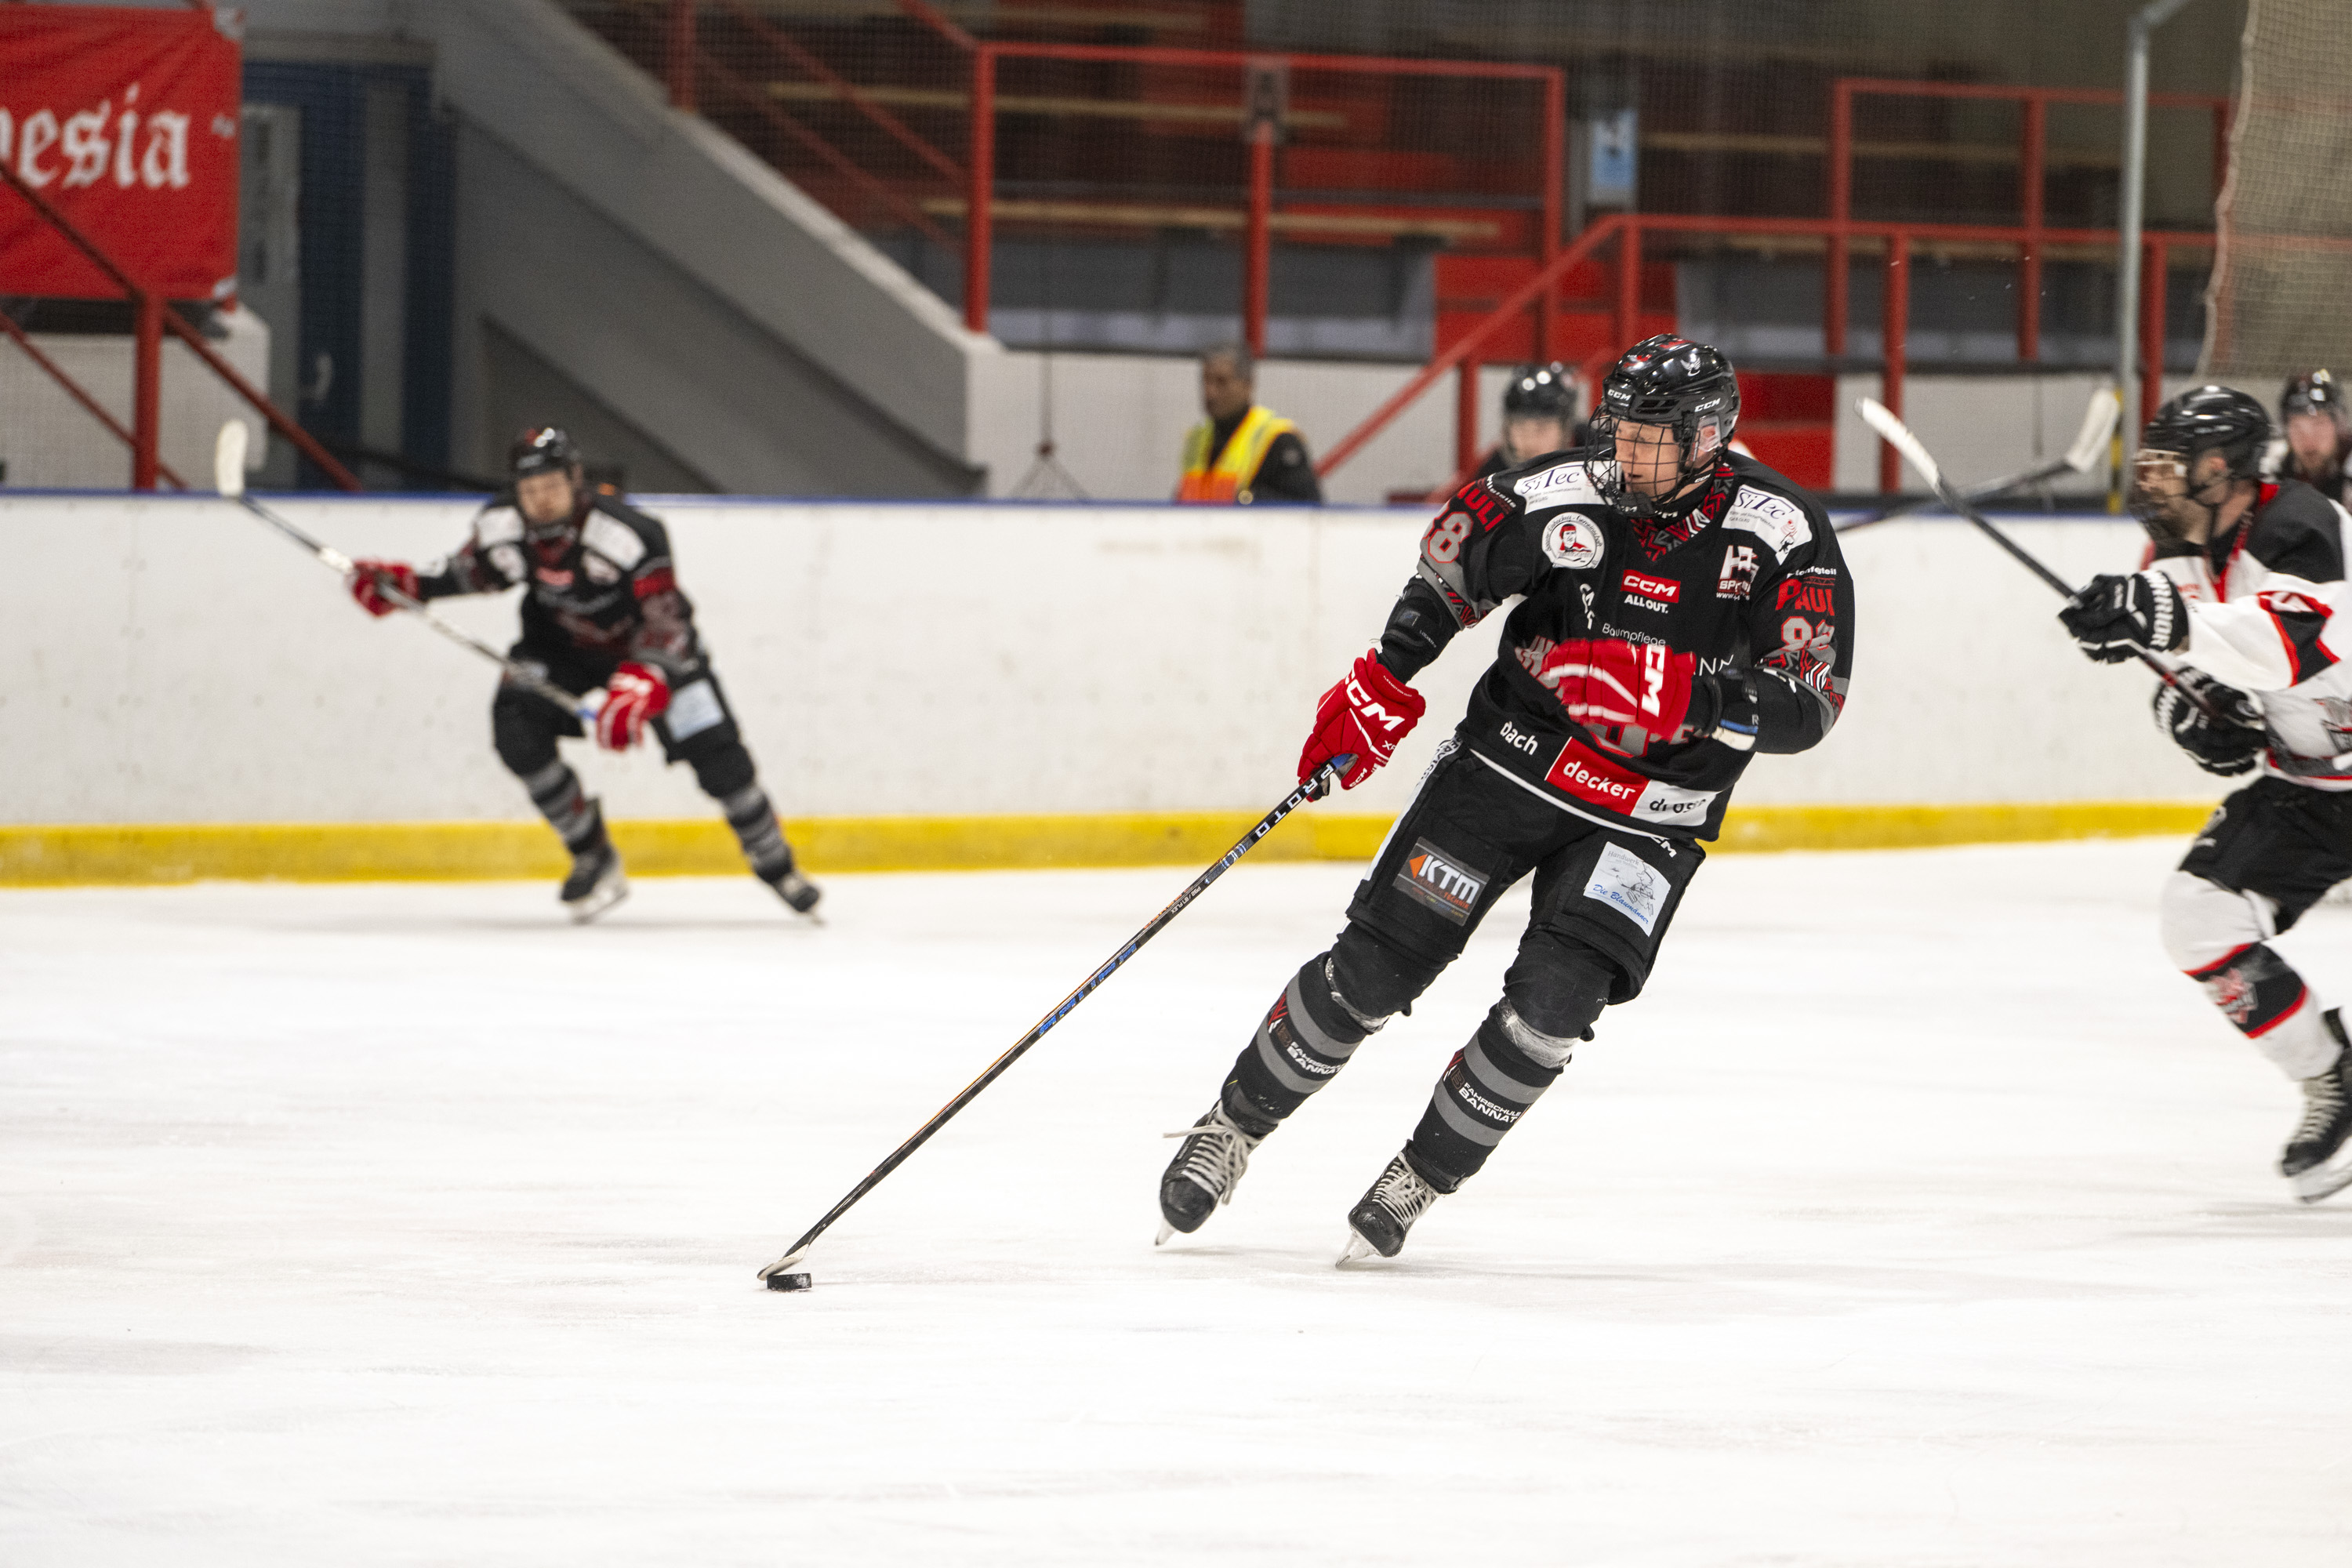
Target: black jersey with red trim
[(599, 588), (1749, 581)]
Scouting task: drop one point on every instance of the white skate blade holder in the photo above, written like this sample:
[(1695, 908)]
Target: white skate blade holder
[(1357, 1253), (2324, 1181)]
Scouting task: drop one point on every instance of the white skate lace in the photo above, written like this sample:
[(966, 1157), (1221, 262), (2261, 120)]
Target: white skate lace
[(1216, 1161), (1402, 1193), (2323, 1102)]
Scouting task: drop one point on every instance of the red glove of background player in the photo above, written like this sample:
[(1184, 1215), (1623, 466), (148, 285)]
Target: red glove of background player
[(1608, 681), (370, 593), (1367, 714), (634, 696)]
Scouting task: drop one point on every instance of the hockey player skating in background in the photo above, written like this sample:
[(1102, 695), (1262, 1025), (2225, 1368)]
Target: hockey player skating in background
[(1681, 608), (602, 608), (1539, 417), (2318, 434), (2247, 594)]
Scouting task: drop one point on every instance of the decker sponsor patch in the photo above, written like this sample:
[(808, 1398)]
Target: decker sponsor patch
[(1442, 882)]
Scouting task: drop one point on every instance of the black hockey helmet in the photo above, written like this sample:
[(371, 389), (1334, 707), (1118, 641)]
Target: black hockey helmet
[(1540, 392), (1670, 381), (542, 449), (2211, 418), (2314, 392)]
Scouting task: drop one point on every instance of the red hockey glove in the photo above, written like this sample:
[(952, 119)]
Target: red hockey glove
[(1608, 681), (370, 593), (634, 696), (1366, 714)]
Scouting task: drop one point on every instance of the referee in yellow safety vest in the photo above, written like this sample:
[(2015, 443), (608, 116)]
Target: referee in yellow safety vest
[(1243, 455)]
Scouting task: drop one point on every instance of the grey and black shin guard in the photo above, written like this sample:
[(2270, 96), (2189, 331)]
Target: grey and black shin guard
[(555, 790), (753, 818)]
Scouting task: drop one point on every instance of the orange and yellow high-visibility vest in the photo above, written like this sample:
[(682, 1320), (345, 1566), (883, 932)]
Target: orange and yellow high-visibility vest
[(1227, 482)]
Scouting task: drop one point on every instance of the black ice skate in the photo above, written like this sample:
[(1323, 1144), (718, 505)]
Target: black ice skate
[(1379, 1221), (595, 884), (795, 889), (2317, 1161), (1208, 1166)]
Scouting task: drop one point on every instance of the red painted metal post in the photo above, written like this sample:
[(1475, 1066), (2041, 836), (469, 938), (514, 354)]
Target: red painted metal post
[(1894, 327), (2158, 263), (1628, 319), (979, 228), (147, 390), (1555, 179), (1257, 258), (2029, 255), (678, 54), (1465, 417), (1840, 170)]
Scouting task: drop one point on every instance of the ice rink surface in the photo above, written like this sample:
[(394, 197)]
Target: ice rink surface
[(1917, 1214)]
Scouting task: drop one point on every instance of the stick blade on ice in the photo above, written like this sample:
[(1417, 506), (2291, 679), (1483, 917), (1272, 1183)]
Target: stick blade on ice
[(2098, 423), (228, 458), (1876, 414)]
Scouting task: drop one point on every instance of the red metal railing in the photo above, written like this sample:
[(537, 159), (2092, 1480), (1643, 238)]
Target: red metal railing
[(153, 316), (1839, 233), (1624, 233), (686, 64)]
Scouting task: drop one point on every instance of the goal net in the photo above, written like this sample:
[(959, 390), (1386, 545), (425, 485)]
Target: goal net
[(2281, 296)]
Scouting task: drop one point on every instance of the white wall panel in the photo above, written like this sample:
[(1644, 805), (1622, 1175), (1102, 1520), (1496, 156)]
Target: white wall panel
[(171, 660)]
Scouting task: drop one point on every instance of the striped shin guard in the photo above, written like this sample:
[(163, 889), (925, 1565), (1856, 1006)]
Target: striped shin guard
[(1491, 1082), (1306, 1038), (555, 790), (754, 822)]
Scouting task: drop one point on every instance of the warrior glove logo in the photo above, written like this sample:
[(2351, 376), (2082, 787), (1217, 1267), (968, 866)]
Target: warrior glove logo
[(1439, 881)]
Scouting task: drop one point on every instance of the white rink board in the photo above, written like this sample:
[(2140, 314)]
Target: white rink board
[(173, 660), (1914, 1216)]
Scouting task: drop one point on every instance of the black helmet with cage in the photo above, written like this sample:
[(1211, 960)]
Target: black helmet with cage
[(2315, 391), (1673, 382), (2209, 418), (1540, 392)]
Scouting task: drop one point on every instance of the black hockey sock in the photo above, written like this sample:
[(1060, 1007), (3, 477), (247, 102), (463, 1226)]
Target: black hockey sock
[(754, 822), (1491, 1083), (555, 790), (1307, 1037)]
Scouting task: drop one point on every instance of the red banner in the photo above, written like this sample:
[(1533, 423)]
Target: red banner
[(126, 121)]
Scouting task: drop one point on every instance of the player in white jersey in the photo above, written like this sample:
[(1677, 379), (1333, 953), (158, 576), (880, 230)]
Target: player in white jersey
[(2246, 595)]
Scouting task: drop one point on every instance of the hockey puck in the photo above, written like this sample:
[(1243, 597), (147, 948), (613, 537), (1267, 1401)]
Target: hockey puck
[(788, 1281)]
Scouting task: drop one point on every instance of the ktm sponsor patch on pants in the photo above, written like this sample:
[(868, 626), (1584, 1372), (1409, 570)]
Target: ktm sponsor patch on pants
[(1442, 883)]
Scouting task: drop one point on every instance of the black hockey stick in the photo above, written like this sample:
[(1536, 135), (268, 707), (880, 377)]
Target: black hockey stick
[(1899, 436), (2090, 444), (778, 1274), (229, 476)]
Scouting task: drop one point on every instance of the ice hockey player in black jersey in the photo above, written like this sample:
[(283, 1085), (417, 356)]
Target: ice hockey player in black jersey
[(601, 608), (2318, 429), (1681, 608), (1539, 417), (2246, 595)]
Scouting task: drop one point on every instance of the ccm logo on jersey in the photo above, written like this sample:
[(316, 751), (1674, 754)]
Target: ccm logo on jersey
[(1445, 885), (1588, 776), (1651, 592)]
